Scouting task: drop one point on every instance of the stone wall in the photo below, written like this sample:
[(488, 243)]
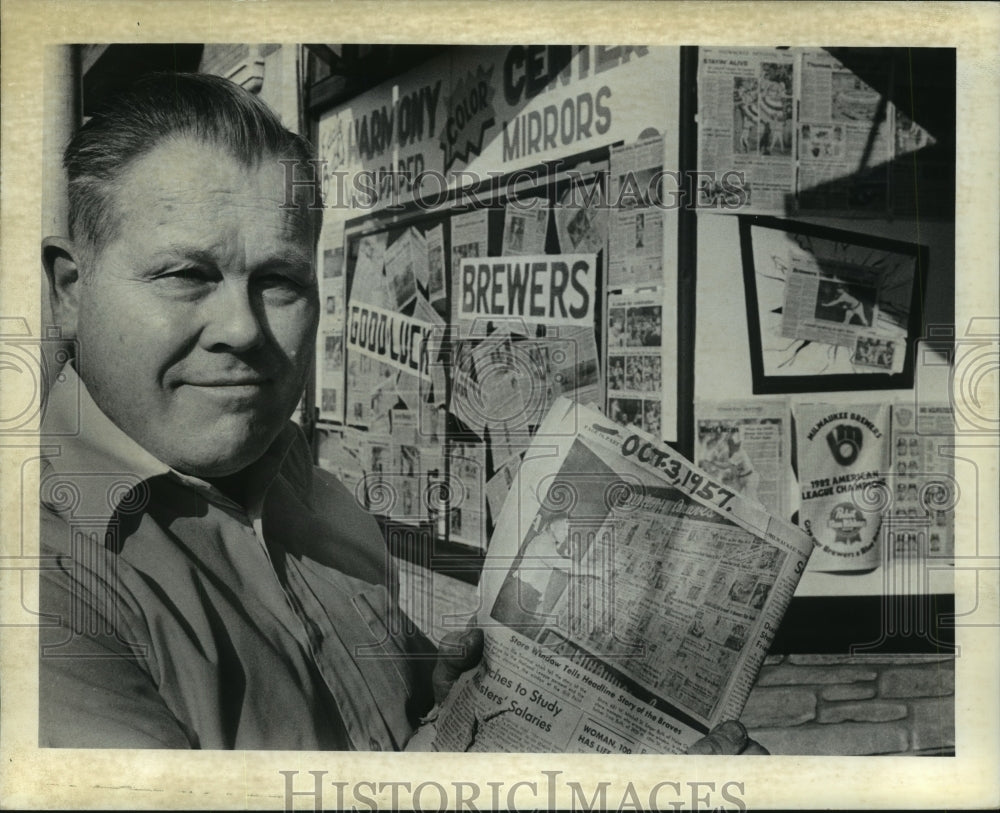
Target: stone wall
[(852, 705)]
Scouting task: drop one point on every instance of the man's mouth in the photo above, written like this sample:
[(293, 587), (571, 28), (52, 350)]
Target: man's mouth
[(246, 378), (229, 382), (229, 389)]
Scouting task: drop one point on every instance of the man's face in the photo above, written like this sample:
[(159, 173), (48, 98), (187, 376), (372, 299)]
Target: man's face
[(196, 321)]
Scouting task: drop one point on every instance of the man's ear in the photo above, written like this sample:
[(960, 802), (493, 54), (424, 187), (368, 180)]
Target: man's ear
[(59, 258)]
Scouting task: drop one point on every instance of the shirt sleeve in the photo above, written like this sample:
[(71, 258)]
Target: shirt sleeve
[(93, 697), (93, 688)]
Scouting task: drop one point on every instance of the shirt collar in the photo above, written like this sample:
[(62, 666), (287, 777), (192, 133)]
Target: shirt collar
[(102, 465)]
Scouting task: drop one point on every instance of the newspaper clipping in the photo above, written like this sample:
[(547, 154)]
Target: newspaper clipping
[(636, 228), (921, 522), (746, 124), (635, 364), (628, 599), (845, 125), (526, 224), (746, 447), (786, 130), (469, 233), (837, 302), (582, 217), (330, 336)]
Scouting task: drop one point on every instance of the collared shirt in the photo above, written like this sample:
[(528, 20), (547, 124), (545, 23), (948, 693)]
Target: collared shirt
[(175, 617)]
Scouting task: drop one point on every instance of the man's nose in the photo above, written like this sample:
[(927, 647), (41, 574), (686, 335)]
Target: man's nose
[(233, 319)]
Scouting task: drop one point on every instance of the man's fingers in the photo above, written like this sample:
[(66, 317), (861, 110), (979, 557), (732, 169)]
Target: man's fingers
[(729, 737), (459, 652)]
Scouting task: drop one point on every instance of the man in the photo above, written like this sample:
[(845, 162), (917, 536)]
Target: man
[(741, 475), (850, 304), (210, 588), (205, 586)]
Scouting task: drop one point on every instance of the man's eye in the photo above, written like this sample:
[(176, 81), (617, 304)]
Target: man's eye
[(283, 285), (186, 276), (279, 281)]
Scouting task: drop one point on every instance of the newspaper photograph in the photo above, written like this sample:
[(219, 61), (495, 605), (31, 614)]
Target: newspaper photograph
[(839, 302), (831, 303), (635, 253), (746, 124), (746, 446), (628, 599)]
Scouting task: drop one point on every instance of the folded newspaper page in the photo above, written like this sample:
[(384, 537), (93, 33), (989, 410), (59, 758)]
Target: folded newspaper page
[(627, 598)]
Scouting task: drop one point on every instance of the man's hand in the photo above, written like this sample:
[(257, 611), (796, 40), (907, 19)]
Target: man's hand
[(459, 652), (727, 739)]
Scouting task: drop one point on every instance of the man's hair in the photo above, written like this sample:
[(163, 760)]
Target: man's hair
[(155, 108)]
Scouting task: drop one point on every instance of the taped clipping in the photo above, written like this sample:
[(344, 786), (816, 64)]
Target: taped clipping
[(746, 447), (921, 521)]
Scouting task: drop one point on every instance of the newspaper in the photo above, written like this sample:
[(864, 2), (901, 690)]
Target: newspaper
[(405, 266), (437, 291), (434, 601), (628, 599), (507, 381)]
